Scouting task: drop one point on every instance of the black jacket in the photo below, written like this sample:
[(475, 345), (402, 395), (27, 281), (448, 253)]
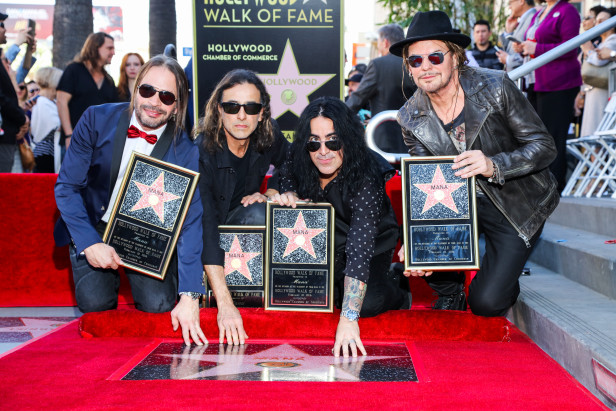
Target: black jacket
[(503, 125), (13, 117), (217, 183)]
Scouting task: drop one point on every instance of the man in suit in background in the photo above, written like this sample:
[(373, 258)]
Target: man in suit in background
[(385, 86), (88, 185)]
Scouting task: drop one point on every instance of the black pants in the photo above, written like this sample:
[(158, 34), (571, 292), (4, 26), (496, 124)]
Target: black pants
[(96, 289), (383, 293), (495, 288), (555, 108)]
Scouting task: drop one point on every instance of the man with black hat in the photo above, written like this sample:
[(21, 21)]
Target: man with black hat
[(14, 120), (479, 116)]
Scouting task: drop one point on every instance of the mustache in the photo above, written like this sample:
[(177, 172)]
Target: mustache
[(428, 74), (151, 108)]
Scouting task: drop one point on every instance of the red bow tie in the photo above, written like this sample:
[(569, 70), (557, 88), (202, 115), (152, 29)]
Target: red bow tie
[(134, 132)]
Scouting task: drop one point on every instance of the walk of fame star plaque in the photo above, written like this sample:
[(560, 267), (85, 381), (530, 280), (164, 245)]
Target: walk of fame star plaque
[(440, 216), (299, 262), (243, 267), (269, 360), (149, 212)]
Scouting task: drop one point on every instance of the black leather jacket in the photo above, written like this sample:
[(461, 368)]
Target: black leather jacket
[(503, 125)]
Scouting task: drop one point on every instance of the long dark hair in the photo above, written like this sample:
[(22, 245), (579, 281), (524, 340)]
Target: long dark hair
[(210, 125), (358, 164)]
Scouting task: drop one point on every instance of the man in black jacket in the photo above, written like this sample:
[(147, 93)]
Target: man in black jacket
[(385, 86), (479, 116), (13, 117), (238, 140)]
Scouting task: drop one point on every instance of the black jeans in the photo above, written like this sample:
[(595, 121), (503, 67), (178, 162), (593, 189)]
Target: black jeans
[(495, 288), (96, 289), (383, 292), (254, 214)]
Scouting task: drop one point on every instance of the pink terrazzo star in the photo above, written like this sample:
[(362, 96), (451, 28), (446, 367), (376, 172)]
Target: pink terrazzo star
[(300, 236), (237, 260), (154, 196), (439, 191)]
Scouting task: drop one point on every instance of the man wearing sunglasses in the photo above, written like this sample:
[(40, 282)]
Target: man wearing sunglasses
[(479, 116), (238, 141), (88, 184), (330, 162)]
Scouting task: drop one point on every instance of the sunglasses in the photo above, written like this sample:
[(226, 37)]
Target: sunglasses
[(34, 90), (333, 145), (436, 58), (21, 87), (147, 91), (249, 108)]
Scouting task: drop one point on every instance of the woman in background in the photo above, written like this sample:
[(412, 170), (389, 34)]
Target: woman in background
[(557, 82), (131, 64), (45, 123)]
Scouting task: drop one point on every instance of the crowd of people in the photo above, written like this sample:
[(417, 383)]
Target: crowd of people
[(451, 101)]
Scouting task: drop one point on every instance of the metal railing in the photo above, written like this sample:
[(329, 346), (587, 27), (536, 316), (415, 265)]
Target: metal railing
[(390, 115)]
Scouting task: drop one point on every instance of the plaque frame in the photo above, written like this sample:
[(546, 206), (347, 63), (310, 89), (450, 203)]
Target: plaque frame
[(465, 222), (236, 289), (168, 231), (274, 210)]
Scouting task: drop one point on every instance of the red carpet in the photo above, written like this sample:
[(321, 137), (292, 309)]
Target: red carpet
[(64, 371)]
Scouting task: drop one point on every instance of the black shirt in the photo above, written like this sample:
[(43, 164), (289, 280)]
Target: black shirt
[(240, 165), (78, 82)]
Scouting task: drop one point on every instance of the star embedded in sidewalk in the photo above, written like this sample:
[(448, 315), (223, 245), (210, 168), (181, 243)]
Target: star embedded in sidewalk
[(237, 260), (280, 358), (290, 89), (439, 191), (300, 236), (154, 196), (36, 327)]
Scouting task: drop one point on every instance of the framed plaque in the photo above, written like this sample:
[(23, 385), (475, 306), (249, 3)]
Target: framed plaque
[(440, 216), (243, 267), (148, 213), (299, 263)]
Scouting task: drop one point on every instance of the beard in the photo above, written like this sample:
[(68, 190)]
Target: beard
[(439, 82), (152, 123)]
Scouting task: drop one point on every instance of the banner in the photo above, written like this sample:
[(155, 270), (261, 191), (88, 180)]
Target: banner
[(294, 45)]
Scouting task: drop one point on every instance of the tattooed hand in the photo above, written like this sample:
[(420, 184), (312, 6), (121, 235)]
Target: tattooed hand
[(347, 333)]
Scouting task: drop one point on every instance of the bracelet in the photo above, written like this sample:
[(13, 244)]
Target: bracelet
[(68, 135), (191, 294), (350, 315)]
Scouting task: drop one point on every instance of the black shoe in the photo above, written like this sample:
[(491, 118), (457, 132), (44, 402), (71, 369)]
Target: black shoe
[(396, 276), (455, 302)]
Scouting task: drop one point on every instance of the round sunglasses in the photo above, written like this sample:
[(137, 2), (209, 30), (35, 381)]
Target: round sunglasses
[(147, 91), (333, 145), (436, 58), (251, 109)]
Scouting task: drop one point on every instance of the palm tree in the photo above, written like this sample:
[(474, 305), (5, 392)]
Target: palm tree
[(72, 23), (163, 25)]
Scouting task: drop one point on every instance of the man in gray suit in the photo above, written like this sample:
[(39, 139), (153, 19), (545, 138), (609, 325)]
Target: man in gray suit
[(385, 86)]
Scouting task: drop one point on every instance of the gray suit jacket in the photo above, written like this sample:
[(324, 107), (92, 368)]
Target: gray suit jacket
[(382, 86)]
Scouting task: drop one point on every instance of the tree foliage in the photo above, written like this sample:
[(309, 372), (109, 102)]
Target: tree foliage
[(463, 14), (163, 25)]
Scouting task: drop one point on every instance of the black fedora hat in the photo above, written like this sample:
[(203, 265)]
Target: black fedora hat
[(430, 25)]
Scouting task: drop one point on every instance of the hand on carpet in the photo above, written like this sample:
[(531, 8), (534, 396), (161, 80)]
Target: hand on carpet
[(347, 335), (186, 315), (413, 273), (230, 325), (100, 255)]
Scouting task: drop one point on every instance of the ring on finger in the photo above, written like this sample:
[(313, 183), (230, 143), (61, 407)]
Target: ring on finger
[(351, 341)]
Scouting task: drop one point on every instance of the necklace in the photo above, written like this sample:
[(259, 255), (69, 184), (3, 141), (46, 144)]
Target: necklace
[(455, 105)]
